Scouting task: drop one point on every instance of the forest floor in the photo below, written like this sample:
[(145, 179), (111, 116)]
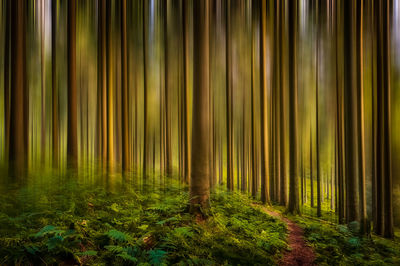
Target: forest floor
[(94, 219), (114, 220), (299, 253)]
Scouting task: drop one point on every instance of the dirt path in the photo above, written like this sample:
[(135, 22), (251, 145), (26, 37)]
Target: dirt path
[(300, 253)]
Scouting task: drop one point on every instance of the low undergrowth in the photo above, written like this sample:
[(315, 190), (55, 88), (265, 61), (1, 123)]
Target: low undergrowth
[(60, 220), (341, 245)]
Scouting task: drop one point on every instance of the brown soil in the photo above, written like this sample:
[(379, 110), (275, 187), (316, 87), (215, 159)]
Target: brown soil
[(300, 253)]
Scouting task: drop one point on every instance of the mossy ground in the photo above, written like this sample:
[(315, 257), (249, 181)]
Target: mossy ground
[(115, 220)]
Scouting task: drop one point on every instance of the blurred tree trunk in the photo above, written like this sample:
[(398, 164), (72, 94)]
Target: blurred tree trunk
[(168, 157), (339, 120), (102, 83), (350, 110), (17, 146), (263, 102), (229, 159), (199, 182), (124, 84), (7, 78), (311, 170), (42, 79), (383, 157), (144, 92), (276, 95), (72, 134), (360, 118), (54, 92), (252, 152), (294, 180), (186, 58), (282, 118), (319, 196)]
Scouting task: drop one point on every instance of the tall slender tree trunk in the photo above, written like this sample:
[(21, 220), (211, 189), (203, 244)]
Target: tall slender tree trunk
[(17, 147), (54, 92), (319, 196), (360, 119), (168, 157), (199, 182), (383, 157), (339, 123), (350, 119), (293, 180), (252, 151), (124, 84), (229, 159), (263, 102), (72, 134), (311, 170), (6, 79), (102, 82), (276, 95), (144, 93), (282, 118), (43, 99), (185, 89)]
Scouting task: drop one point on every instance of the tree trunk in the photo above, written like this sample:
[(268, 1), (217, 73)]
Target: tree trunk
[(7, 78), (42, 79), (199, 182), (360, 119), (311, 170), (282, 118), (54, 92), (102, 82), (383, 157), (168, 158), (319, 196), (144, 93), (124, 85), (185, 89), (252, 157), (72, 134), (339, 125), (17, 148), (350, 119), (229, 159), (263, 102), (294, 181)]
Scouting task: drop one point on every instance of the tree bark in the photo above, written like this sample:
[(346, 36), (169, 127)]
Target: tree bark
[(168, 157), (124, 84), (54, 92), (350, 119), (72, 134), (7, 67), (263, 102), (383, 157), (144, 93), (17, 148), (185, 90), (229, 159), (199, 182), (293, 181)]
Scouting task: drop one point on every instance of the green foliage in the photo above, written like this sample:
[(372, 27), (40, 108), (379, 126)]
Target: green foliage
[(156, 256), (117, 235), (342, 245), (81, 220)]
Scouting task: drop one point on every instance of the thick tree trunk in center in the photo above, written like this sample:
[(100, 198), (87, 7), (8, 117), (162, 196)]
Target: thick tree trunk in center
[(199, 182)]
